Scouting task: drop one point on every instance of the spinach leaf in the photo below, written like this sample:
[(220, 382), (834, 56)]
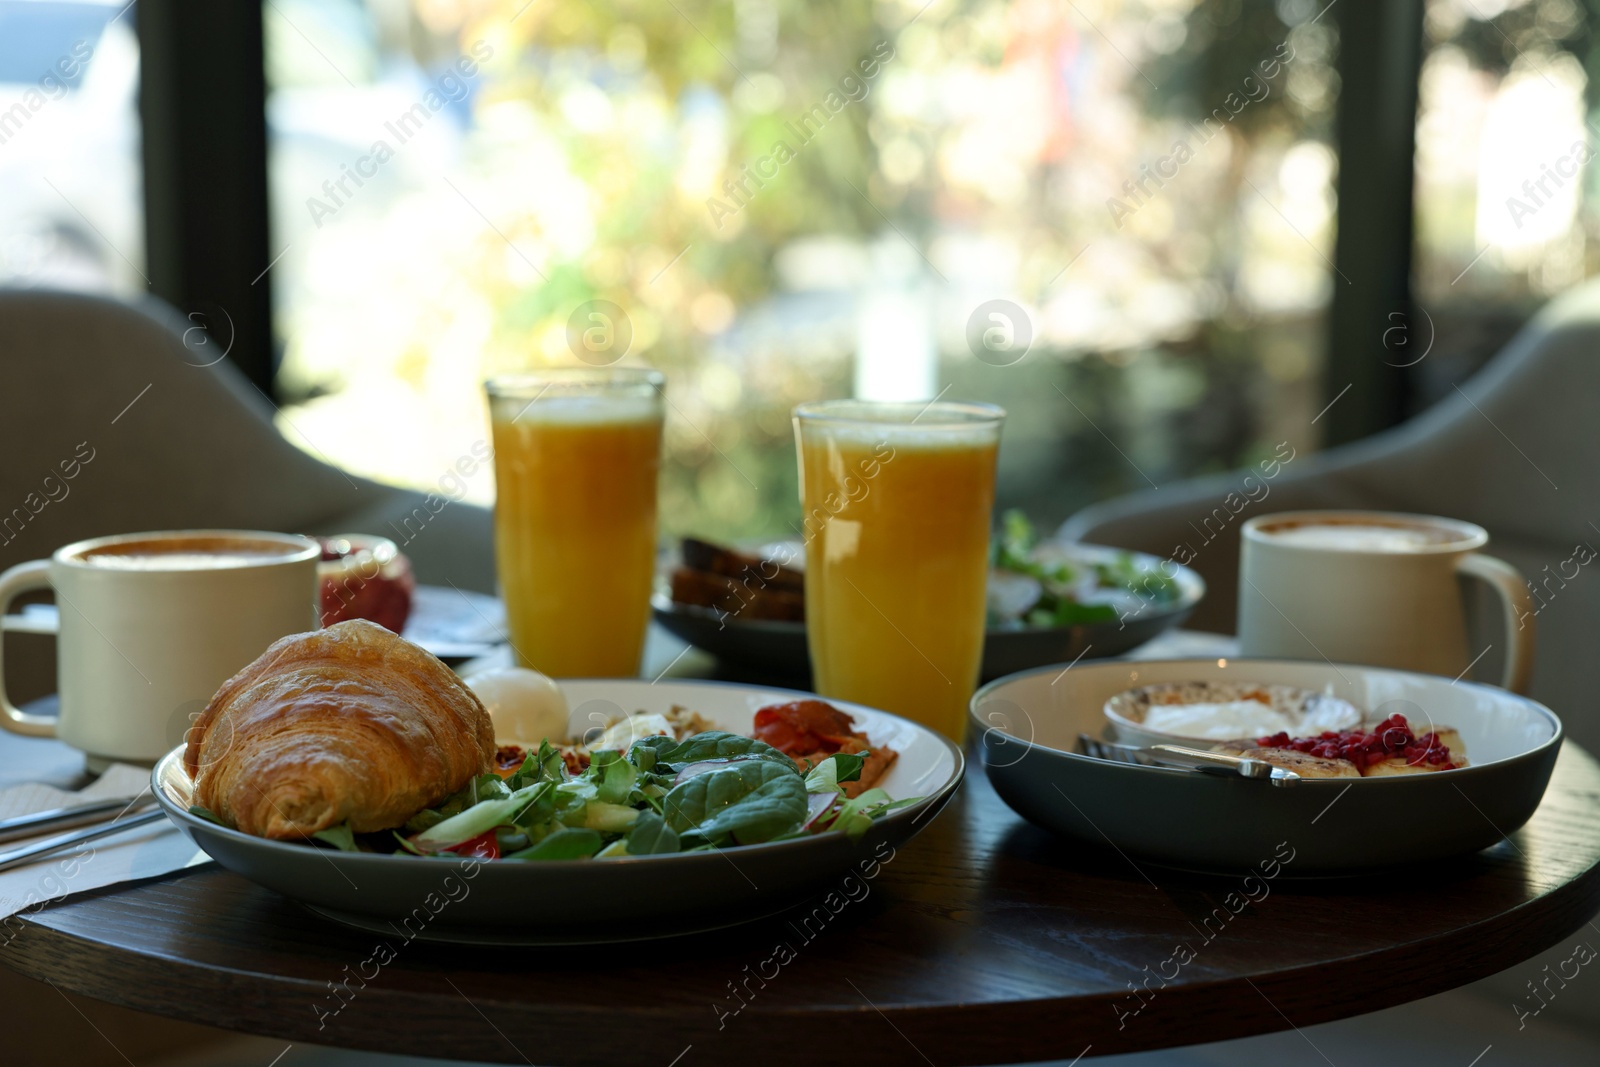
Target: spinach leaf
[(564, 844), (713, 744), (748, 801), (651, 835), (340, 837), (205, 813)]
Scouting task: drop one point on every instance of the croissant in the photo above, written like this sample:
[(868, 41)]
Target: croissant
[(350, 722)]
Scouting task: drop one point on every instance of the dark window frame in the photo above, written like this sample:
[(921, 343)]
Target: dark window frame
[(202, 105)]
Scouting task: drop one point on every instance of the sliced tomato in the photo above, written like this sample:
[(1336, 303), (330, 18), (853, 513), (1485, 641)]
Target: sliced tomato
[(486, 846)]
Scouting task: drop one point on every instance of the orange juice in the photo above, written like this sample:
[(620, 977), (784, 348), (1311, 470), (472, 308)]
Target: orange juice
[(575, 517), (897, 518)]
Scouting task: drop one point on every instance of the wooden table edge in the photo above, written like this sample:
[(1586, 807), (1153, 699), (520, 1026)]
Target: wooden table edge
[(966, 1034)]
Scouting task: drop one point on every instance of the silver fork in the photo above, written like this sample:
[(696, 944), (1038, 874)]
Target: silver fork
[(1183, 757)]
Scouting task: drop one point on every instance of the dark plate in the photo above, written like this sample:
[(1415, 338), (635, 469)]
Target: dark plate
[(780, 647), (1027, 727), (573, 902)]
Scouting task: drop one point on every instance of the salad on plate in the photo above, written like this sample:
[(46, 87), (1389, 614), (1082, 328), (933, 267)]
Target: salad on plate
[(1038, 584), (641, 793)]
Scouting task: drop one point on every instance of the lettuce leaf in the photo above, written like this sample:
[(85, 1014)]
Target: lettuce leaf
[(564, 844), (480, 818), (855, 816), (839, 767), (545, 765), (614, 775), (608, 818)]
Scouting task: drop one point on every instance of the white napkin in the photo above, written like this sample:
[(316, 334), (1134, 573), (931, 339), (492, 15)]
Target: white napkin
[(146, 852)]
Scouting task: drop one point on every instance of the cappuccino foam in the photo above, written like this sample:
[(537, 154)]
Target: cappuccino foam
[(1359, 537), (187, 554)]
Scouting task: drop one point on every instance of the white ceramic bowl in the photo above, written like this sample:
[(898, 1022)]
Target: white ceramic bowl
[(1128, 711)]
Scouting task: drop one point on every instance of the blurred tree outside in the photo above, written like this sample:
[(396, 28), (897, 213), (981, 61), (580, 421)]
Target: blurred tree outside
[(627, 152)]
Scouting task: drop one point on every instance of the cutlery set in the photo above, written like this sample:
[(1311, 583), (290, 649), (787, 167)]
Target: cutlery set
[(1181, 757), (116, 809)]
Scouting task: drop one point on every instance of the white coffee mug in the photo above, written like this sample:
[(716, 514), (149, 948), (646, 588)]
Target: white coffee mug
[(152, 624), (1374, 587)]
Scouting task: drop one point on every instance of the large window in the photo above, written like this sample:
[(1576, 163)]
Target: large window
[(1115, 218), (70, 212), (1505, 202)]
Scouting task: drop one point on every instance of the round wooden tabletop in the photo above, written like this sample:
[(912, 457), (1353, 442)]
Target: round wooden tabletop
[(984, 940)]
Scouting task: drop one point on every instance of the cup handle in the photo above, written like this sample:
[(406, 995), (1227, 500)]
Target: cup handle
[(23, 578), (1519, 612)]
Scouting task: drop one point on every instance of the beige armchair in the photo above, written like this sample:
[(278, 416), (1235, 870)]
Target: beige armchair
[(1515, 449), (116, 418)]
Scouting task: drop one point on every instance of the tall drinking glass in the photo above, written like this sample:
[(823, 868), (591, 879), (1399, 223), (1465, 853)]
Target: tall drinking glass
[(898, 501), (576, 455)]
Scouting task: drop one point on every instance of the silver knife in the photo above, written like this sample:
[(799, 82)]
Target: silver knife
[(65, 818), (1194, 759), (29, 853)]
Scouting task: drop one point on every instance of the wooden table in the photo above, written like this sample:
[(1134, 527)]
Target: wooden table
[(985, 940)]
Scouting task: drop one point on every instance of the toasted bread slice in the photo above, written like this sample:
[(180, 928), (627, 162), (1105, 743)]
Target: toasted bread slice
[(735, 597), (1306, 766), (1395, 765), (1309, 766), (747, 567), (1450, 738)]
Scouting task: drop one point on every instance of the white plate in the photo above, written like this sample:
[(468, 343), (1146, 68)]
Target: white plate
[(588, 901), (1029, 724)]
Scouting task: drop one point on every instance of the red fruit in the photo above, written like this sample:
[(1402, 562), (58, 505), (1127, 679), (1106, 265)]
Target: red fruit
[(1392, 738), (365, 578)]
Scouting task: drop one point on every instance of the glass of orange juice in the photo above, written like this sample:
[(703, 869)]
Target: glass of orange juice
[(898, 501), (576, 455)]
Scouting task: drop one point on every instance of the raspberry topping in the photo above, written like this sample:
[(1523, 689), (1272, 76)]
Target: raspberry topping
[(1392, 738)]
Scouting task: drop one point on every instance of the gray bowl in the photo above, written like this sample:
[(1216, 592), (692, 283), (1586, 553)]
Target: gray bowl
[(1027, 727), (592, 901), (780, 647)]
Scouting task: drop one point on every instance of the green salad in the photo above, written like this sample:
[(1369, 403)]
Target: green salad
[(709, 791), (1037, 584)]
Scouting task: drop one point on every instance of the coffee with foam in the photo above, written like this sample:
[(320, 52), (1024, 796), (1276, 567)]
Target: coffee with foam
[(1360, 536), (187, 553)]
